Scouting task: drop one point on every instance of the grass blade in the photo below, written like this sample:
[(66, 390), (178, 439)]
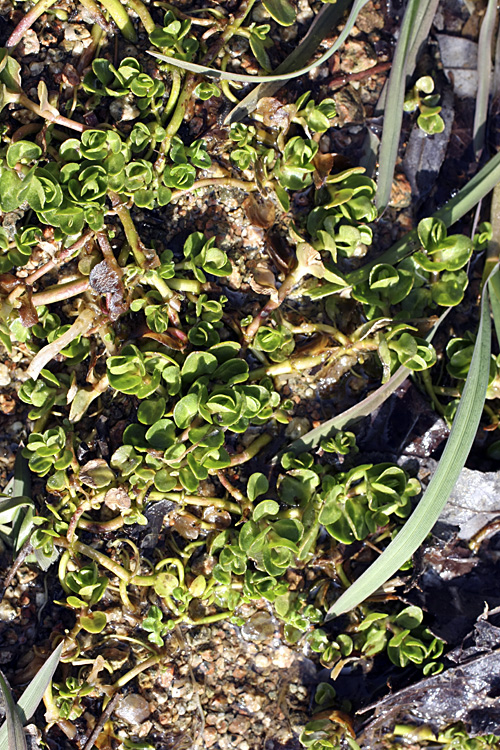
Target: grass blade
[(321, 27), (494, 290), (434, 499), (484, 51), (396, 85), (419, 35), (365, 407), (22, 476), (10, 505), (14, 731), (203, 69), (32, 696), (493, 258), (475, 190)]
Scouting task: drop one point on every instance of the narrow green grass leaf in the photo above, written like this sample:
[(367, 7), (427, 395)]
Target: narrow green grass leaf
[(494, 290), (492, 259), (9, 506), (321, 28), (22, 476), (389, 145), (475, 190), (434, 499), (419, 34), (484, 52), (32, 696), (203, 69), (363, 409), (16, 739)]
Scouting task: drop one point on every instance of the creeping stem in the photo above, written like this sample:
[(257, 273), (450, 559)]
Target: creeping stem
[(174, 93), (62, 291), (27, 22), (120, 16), (190, 83), (306, 363), (144, 257), (138, 7), (81, 325)]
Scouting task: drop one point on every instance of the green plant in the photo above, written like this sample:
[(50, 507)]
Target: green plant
[(421, 97), (329, 727), (190, 380)]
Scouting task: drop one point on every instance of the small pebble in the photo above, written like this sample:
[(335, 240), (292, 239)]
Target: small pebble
[(259, 627), (133, 708), (4, 375)]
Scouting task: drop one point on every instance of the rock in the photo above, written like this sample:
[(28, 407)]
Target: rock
[(4, 375), (75, 32), (117, 499), (259, 627), (122, 109), (297, 427), (473, 503), (239, 725), (29, 44), (459, 57), (133, 708), (400, 192)]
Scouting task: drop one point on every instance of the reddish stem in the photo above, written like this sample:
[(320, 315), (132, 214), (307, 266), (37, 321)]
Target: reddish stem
[(61, 257), (338, 81), (27, 22)]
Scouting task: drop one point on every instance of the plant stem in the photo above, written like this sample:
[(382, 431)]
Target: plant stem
[(451, 392), (137, 670), (273, 303), (229, 31), (121, 18), (46, 114), (62, 291), (289, 365), (91, 742), (249, 187), (81, 325), (190, 83), (175, 89), (427, 381), (138, 7), (210, 618), (306, 363), (27, 22), (62, 256), (249, 452), (202, 502), (320, 328), (175, 123), (94, 554), (144, 257), (96, 14), (105, 526)]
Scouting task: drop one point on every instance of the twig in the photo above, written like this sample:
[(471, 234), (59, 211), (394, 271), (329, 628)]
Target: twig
[(338, 81), (24, 552), (100, 724)]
